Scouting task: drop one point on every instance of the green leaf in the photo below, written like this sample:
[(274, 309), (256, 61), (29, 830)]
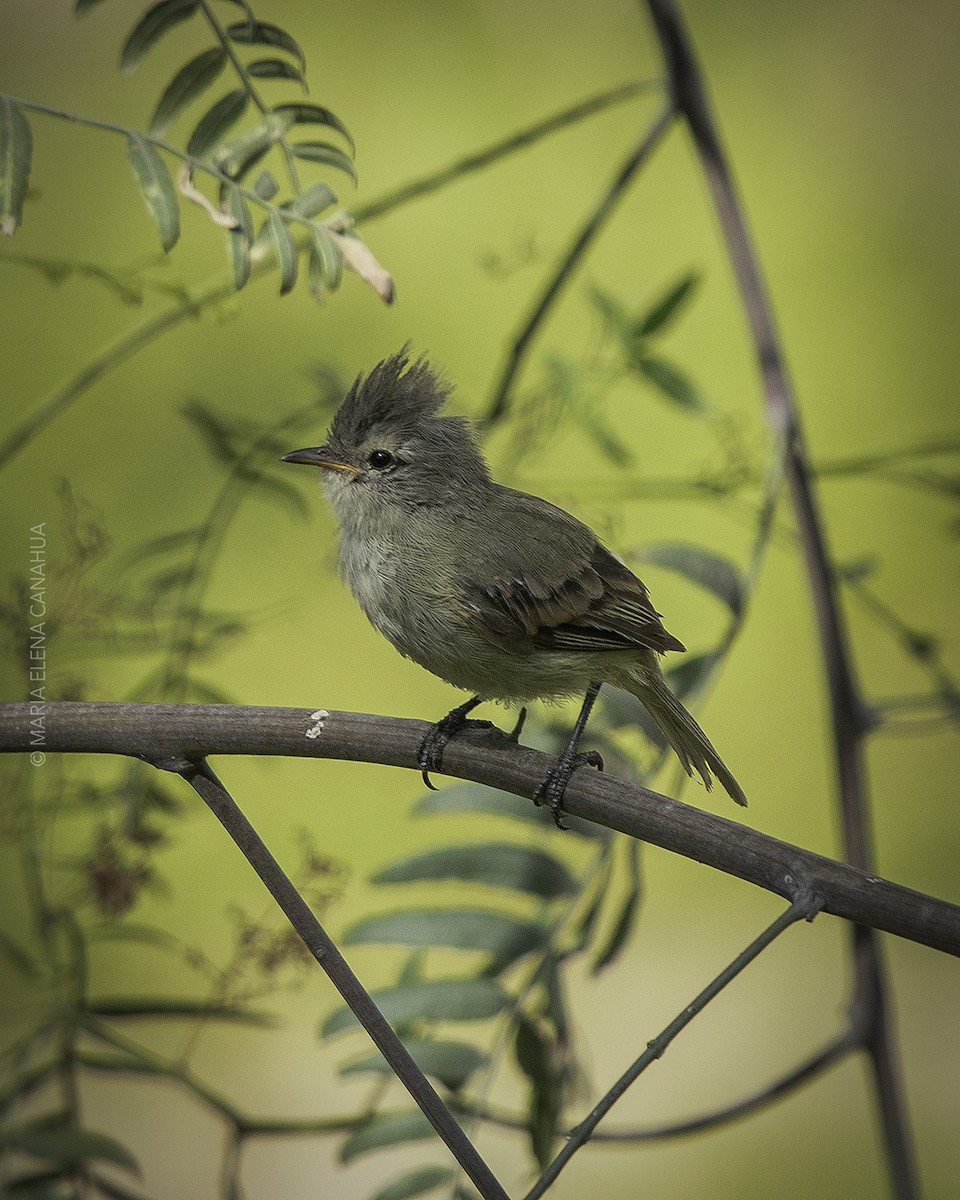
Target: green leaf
[(323, 152), (508, 938), (687, 677), (240, 239), (386, 1129), (451, 1062), (216, 121), (81, 7), (275, 68), (326, 262), (312, 200), (262, 33), (19, 958), (215, 432), (314, 114), (237, 156), (166, 543), (16, 146), (568, 382), (160, 1007), (465, 999), (188, 83), (667, 308), (621, 930), (67, 1146), (151, 27), (535, 1057), (284, 248), (415, 1183), (711, 571), (496, 864), (614, 314), (265, 186), (669, 380), (477, 798), (156, 187)]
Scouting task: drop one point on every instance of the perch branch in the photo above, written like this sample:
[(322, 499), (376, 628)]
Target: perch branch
[(194, 731)]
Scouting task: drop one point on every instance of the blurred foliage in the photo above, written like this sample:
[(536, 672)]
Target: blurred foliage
[(485, 937)]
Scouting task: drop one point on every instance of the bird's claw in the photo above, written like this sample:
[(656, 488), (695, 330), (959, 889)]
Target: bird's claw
[(551, 788), (434, 742)]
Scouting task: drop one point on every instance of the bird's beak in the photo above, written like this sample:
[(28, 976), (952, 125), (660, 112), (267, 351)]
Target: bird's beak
[(316, 456)]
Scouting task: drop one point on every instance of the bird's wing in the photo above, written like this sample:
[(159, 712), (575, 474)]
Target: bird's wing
[(566, 593)]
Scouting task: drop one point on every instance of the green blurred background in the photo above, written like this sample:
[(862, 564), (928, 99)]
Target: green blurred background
[(842, 123)]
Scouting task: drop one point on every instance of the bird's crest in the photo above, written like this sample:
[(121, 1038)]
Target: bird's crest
[(394, 393)]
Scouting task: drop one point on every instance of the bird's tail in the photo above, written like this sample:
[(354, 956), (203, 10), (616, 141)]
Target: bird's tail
[(691, 744)]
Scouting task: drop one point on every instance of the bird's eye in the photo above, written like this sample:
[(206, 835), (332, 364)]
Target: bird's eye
[(379, 459)]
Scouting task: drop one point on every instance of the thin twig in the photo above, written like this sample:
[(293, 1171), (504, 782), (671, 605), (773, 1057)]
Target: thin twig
[(804, 907), (571, 258), (824, 1058), (202, 779), (850, 719), (478, 159)]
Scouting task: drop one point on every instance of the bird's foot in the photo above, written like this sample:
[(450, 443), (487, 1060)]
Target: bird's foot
[(551, 788), (434, 741)]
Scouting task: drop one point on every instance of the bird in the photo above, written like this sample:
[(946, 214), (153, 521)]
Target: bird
[(496, 591)]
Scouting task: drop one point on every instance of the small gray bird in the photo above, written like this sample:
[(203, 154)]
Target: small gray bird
[(495, 591)]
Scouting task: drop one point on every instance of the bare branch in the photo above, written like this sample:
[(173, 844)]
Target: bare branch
[(850, 716), (202, 779)]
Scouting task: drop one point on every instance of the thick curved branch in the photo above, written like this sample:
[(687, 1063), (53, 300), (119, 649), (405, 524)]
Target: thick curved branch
[(174, 732)]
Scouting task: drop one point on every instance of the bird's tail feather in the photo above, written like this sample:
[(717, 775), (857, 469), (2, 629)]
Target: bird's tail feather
[(691, 744)]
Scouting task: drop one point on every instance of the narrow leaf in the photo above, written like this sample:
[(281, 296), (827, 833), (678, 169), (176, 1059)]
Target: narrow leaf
[(466, 999), (16, 145), (237, 156), (262, 33), (69, 1147), (312, 201), (216, 121), (157, 189), (214, 431), (324, 262), (314, 114), (275, 68), (477, 798), (687, 677), (667, 308), (15, 954), (285, 250), (153, 1007), (670, 381), (265, 186), (497, 864), (451, 1062), (151, 27), (386, 1129), (614, 314), (81, 7), (239, 239), (415, 1183), (619, 933), (508, 938), (188, 83), (323, 152), (534, 1053), (711, 571)]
